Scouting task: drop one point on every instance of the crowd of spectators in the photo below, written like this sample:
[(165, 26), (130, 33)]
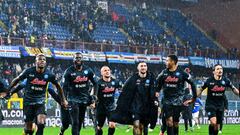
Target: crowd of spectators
[(28, 19)]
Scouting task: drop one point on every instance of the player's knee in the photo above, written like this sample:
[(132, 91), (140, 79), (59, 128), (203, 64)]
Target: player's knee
[(176, 124), (213, 122), (169, 123), (136, 124), (28, 125), (99, 128), (111, 124)]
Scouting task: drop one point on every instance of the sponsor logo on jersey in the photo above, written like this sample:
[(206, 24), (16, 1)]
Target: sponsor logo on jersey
[(108, 90), (80, 79), (36, 81), (171, 79), (218, 88)]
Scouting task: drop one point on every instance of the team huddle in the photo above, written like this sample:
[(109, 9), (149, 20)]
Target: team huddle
[(137, 104)]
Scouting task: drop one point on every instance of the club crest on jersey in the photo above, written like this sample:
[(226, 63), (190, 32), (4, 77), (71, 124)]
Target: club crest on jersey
[(223, 82), (147, 81), (113, 83), (86, 72), (177, 74), (45, 76)]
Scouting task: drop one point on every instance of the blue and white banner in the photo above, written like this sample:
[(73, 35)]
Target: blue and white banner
[(154, 59), (127, 58), (10, 52), (225, 63), (117, 57), (97, 56), (113, 57), (197, 61), (141, 57)]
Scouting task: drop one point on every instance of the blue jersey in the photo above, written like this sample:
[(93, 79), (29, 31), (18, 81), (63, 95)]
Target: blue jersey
[(197, 105), (50, 90), (77, 84), (35, 85)]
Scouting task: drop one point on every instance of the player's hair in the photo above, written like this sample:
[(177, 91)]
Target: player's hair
[(140, 62), (39, 55), (173, 57), (213, 68), (77, 53), (104, 67)]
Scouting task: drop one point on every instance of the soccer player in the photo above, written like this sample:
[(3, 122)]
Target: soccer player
[(76, 82), (38, 78), (225, 110), (106, 89), (136, 101), (214, 107), (195, 112), (171, 80), (187, 112)]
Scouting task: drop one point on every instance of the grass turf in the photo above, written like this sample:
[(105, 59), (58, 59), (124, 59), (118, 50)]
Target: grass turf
[(227, 130)]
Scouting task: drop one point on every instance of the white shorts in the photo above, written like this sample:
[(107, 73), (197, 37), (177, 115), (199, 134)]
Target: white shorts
[(195, 115)]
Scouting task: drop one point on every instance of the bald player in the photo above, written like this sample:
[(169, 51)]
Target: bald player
[(106, 89)]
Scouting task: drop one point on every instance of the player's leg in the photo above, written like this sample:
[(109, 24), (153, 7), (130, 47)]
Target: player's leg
[(82, 110), (74, 113), (137, 127), (186, 124), (213, 127), (112, 125), (164, 124), (65, 120), (111, 129), (168, 112), (219, 115), (41, 117), (29, 114), (145, 129), (100, 122), (176, 115), (40, 124)]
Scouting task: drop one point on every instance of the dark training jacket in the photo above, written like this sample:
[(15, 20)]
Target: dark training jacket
[(123, 114)]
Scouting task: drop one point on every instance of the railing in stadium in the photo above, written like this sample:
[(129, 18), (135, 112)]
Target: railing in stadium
[(104, 47)]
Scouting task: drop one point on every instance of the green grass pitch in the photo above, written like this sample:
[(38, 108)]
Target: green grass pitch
[(227, 130)]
